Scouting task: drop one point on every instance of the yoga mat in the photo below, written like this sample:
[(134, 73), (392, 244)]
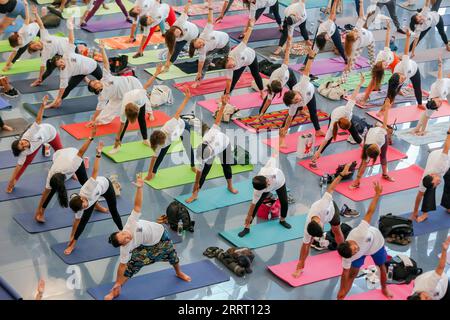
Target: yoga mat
[(313, 3), (21, 66), (153, 56), (217, 84), (353, 80), (7, 292), (299, 48), (7, 159), (317, 268), (68, 106), (275, 120), (197, 9), (233, 21), (59, 218), (136, 150), (261, 34), (332, 65), (80, 131), (182, 174), (44, 1), (410, 113), (399, 292), (437, 220), (107, 25), (241, 102), (30, 186), (121, 42), (164, 283), (268, 233), (175, 72), (425, 55), (435, 133), (377, 98), (18, 124), (4, 104), (407, 178), (78, 10), (95, 248), (51, 83), (4, 46)]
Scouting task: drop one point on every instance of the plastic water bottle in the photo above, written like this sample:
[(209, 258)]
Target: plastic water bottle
[(180, 228), (390, 273), (46, 150)]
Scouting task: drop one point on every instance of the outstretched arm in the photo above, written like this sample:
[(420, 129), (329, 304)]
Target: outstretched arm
[(287, 51), (373, 205), (221, 110), (387, 39), (358, 87), (210, 12), (27, 12), (248, 32), (37, 17), (334, 10), (138, 196), (104, 57), (150, 81), (338, 178), (70, 28), (439, 74), (40, 113), (187, 96), (408, 37), (87, 143), (311, 56), (443, 259), (447, 143), (98, 156)]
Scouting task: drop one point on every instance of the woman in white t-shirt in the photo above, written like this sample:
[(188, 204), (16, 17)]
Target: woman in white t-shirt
[(433, 285), (83, 203), (256, 9), (96, 5), (29, 143)]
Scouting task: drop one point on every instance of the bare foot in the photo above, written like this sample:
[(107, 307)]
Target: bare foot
[(70, 248), (146, 142), (421, 107), (192, 198), (183, 276), (320, 133), (354, 185), (7, 128), (101, 209), (232, 190), (297, 273), (149, 177), (39, 216), (413, 217), (387, 293), (194, 169), (422, 218)]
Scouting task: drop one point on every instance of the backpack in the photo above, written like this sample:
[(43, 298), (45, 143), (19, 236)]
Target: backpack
[(266, 67), (160, 95), (175, 212), (404, 269), (360, 124), (395, 229), (332, 244), (270, 206), (241, 156), (117, 64), (51, 20), (332, 90)]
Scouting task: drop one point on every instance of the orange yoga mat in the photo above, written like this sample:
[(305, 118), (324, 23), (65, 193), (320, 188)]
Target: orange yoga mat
[(120, 43)]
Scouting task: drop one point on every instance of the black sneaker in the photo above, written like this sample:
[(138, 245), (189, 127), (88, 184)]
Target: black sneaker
[(285, 224), (244, 232), (12, 93), (313, 77), (316, 245)]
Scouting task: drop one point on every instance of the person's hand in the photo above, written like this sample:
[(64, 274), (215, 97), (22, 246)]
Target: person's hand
[(45, 100), (218, 19), (91, 123), (101, 45), (139, 181), (311, 53), (25, 3), (166, 68), (195, 84), (6, 68), (36, 83), (151, 117), (445, 244), (361, 78), (346, 169), (34, 10), (11, 186), (117, 144), (130, 40), (377, 187), (100, 146), (340, 295), (187, 92)]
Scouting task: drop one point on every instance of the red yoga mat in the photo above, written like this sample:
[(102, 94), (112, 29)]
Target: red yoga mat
[(411, 113), (399, 291), (234, 21), (405, 179), (328, 164), (317, 268), (292, 139), (80, 131)]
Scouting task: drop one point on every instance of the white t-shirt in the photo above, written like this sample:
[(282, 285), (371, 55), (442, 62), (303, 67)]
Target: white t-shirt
[(431, 20), (306, 90), (27, 33), (159, 12), (173, 129), (365, 36), (376, 135), (242, 55), (385, 56), (275, 178), (369, 240), (437, 163), (217, 140), (281, 74), (328, 27), (145, 5), (430, 282), (138, 97), (65, 161), (324, 209), (297, 12), (259, 4), (145, 233), (213, 40), (51, 46), (440, 89), (407, 67), (36, 135), (190, 30), (92, 190), (75, 64), (340, 112)]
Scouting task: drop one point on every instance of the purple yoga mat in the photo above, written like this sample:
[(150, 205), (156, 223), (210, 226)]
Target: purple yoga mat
[(107, 25), (261, 34), (332, 65)]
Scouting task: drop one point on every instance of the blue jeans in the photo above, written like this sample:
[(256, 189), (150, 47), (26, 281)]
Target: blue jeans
[(19, 10)]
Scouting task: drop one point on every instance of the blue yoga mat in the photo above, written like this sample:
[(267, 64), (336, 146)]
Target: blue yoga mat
[(30, 186), (68, 106), (437, 220), (14, 28), (7, 160), (4, 104), (446, 19), (58, 218), (7, 292), (164, 283), (95, 248), (268, 233)]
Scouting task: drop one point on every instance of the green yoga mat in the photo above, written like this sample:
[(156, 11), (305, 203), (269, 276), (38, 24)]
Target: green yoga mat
[(44, 1), (149, 57), (312, 3), (353, 80), (175, 73), (22, 66), (5, 47), (268, 233), (180, 175), (78, 11), (136, 150)]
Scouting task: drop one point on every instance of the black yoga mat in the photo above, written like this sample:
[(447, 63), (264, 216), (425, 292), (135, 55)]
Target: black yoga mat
[(68, 106)]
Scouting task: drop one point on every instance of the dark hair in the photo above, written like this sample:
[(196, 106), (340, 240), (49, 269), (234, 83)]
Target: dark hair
[(314, 229), (288, 97), (143, 21), (370, 152), (413, 22), (259, 183), (378, 74), (427, 181), (55, 59), (57, 183), (76, 204), (393, 87), (157, 138), (192, 48), (14, 39), (15, 148), (171, 39), (344, 250), (321, 40), (275, 87), (221, 62), (415, 296), (113, 240), (92, 89), (431, 104), (132, 13), (246, 3)]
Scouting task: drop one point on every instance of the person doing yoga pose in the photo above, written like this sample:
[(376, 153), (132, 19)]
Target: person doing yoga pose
[(257, 8), (96, 6)]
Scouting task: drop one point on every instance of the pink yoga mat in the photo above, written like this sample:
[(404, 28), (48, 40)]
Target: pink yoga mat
[(411, 113), (317, 268), (292, 139), (332, 65), (234, 21), (405, 179), (329, 163), (242, 102), (400, 292)]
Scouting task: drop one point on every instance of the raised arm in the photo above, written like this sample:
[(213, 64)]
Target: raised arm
[(70, 28), (439, 74), (104, 56), (27, 12), (387, 39), (221, 110), (187, 96), (88, 141), (373, 205), (334, 10), (248, 32), (386, 107), (338, 178), (98, 156), (358, 87), (150, 81), (35, 12), (443, 259), (407, 44), (138, 196), (287, 51), (447, 143), (40, 113), (210, 12), (311, 56)]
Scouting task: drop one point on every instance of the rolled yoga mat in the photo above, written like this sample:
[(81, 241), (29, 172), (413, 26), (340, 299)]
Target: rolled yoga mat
[(59, 218), (197, 9), (51, 83), (7, 159), (437, 220), (22, 66), (111, 24), (405, 179), (121, 42), (68, 106), (78, 10), (5, 104), (399, 292), (80, 130), (332, 65), (435, 133), (7, 292), (261, 34), (232, 21), (181, 70), (182, 174), (18, 124), (165, 283), (353, 80)]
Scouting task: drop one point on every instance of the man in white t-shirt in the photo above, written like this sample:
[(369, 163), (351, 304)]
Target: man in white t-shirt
[(364, 240), (141, 243), (436, 169)]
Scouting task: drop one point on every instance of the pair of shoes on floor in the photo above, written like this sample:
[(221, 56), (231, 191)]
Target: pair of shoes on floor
[(348, 213), (11, 93)]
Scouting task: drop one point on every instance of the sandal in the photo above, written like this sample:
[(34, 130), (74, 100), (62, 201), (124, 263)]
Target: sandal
[(354, 186)]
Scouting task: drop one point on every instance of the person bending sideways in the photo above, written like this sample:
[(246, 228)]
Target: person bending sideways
[(29, 143), (257, 8), (269, 179), (85, 201), (161, 139), (436, 169), (391, 6), (321, 212), (215, 143), (140, 9), (141, 243), (341, 118), (362, 241), (96, 6), (433, 285)]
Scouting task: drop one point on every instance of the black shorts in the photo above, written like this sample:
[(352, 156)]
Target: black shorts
[(336, 221)]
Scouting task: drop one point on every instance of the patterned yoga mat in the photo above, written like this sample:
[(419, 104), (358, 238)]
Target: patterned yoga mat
[(197, 9), (274, 121)]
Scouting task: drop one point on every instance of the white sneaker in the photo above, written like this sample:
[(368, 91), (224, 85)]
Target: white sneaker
[(114, 150), (351, 140)]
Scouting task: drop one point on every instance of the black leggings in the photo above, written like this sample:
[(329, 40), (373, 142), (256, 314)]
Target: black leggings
[(49, 68), (282, 196), (81, 176), (225, 159), (186, 139), (75, 80), (416, 82), (1, 122), (142, 124), (312, 108), (441, 29), (337, 41), (275, 10), (22, 50), (254, 69), (429, 198), (286, 25), (179, 45), (110, 197), (353, 132), (292, 81)]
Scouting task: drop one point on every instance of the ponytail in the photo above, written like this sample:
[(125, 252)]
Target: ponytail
[(57, 183), (170, 38)]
